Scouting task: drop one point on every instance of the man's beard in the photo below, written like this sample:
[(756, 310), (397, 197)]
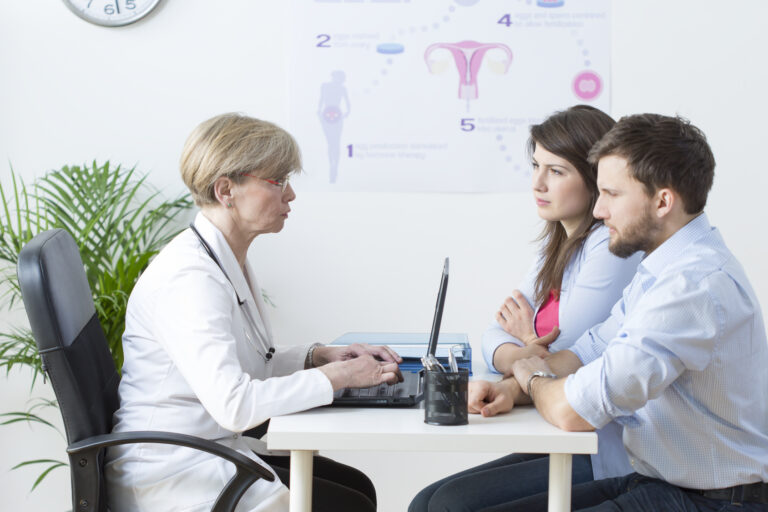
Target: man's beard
[(638, 236)]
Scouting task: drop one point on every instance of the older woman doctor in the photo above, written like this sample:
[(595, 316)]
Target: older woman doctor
[(199, 353)]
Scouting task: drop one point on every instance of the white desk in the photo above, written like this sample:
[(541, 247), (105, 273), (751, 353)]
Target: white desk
[(521, 431)]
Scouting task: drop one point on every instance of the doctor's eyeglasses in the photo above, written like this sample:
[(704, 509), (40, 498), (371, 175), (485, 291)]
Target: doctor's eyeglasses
[(283, 183)]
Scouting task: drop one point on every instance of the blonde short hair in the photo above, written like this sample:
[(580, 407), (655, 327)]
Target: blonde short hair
[(231, 144)]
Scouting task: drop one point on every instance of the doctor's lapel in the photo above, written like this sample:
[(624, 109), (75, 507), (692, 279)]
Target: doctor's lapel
[(252, 305)]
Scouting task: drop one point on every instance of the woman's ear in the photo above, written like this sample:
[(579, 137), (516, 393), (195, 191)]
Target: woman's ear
[(222, 189)]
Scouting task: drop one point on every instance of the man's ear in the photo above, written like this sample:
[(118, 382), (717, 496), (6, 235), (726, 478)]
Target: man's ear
[(222, 189), (665, 200)]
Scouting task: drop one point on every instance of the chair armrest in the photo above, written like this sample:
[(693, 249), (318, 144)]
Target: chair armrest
[(212, 447), (85, 486)]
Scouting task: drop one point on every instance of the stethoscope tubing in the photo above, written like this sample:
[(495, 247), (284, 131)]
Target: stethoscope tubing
[(268, 350)]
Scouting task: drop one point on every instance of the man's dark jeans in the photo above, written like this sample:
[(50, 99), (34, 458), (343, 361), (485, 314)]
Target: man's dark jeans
[(499, 481), (632, 493)]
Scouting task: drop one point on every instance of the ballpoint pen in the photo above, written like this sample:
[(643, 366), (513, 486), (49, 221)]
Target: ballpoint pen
[(432, 364), (452, 361)]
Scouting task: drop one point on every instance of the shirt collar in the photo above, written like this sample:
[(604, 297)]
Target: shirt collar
[(670, 250), (221, 248)]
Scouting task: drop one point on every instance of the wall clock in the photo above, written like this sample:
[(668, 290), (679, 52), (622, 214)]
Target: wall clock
[(111, 13)]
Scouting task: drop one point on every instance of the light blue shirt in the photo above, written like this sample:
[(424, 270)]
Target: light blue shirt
[(592, 283), (681, 364)]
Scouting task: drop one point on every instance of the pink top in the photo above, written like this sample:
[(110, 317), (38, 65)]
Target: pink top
[(548, 315)]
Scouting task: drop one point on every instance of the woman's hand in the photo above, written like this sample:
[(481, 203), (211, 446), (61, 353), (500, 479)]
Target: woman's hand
[(492, 398), (508, 353), (361, 372), (516, 318), (329, 354)]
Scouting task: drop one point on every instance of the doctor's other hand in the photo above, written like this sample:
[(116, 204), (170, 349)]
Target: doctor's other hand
[(490, 398), (361, 372), (328, 353)]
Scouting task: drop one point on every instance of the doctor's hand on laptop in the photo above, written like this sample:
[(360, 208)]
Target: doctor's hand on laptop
[(358, 365)]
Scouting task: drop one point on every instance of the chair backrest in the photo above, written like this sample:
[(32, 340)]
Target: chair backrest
[(68, 334)]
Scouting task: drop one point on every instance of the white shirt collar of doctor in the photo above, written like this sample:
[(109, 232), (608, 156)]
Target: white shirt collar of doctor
[(219, 245)]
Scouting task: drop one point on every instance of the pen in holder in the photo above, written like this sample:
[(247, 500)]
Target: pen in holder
[(445, 397)]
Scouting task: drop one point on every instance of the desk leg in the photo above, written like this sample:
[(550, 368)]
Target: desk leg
[(301, 481), (560, 482)]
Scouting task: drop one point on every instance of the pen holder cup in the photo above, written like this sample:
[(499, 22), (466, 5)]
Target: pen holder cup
[(445, 397)]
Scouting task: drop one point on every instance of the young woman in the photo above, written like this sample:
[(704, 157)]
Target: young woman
[(572, 286)]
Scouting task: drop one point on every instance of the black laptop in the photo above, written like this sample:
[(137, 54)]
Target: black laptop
[(402, 394)]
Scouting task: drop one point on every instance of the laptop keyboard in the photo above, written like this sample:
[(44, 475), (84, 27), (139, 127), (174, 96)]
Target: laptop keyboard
[(405, 388)]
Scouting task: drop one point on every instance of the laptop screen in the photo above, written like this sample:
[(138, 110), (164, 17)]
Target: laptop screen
[(438, 310)]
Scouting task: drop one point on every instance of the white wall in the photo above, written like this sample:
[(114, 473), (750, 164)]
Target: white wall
[(71, 92)]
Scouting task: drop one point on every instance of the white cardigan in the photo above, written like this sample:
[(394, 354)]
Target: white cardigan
[(195, 365)]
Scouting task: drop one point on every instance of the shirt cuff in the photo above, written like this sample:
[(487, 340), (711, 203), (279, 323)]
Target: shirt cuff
[(585, 348), (324, 390), (490, 351), (584, 391), (289, 359)]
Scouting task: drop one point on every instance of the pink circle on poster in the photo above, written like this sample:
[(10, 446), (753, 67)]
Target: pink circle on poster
[(587, 85)]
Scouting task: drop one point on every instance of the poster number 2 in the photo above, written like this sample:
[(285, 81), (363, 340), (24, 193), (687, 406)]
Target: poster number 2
[(322, 41)]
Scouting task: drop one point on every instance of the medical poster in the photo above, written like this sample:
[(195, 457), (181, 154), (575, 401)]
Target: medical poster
[(437, 95)]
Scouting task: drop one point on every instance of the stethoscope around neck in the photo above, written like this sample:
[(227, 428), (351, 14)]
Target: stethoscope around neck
[(268, 350)]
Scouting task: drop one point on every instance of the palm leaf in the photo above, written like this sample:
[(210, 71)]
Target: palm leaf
[(53, 464), (27, 417), (119, 223), (18, 347)]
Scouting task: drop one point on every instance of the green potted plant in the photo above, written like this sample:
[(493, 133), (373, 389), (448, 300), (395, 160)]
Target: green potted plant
[(119, 223)]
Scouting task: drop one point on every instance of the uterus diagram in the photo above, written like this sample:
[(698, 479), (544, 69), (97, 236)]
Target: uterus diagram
[(468, 57)]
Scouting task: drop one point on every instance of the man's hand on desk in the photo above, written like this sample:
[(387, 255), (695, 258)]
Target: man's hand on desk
[(492, 398), (523, 368), (549, 393)]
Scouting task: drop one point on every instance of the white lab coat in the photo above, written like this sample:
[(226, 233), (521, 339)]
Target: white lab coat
[(195, 365)]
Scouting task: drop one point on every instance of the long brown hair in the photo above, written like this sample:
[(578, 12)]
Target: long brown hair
[(569, 134)]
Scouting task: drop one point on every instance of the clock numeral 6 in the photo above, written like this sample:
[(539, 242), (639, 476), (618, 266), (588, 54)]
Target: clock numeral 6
[(110, 9), (111, 13)]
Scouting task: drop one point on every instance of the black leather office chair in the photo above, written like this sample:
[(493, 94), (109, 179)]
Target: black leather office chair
[(76, 358)]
